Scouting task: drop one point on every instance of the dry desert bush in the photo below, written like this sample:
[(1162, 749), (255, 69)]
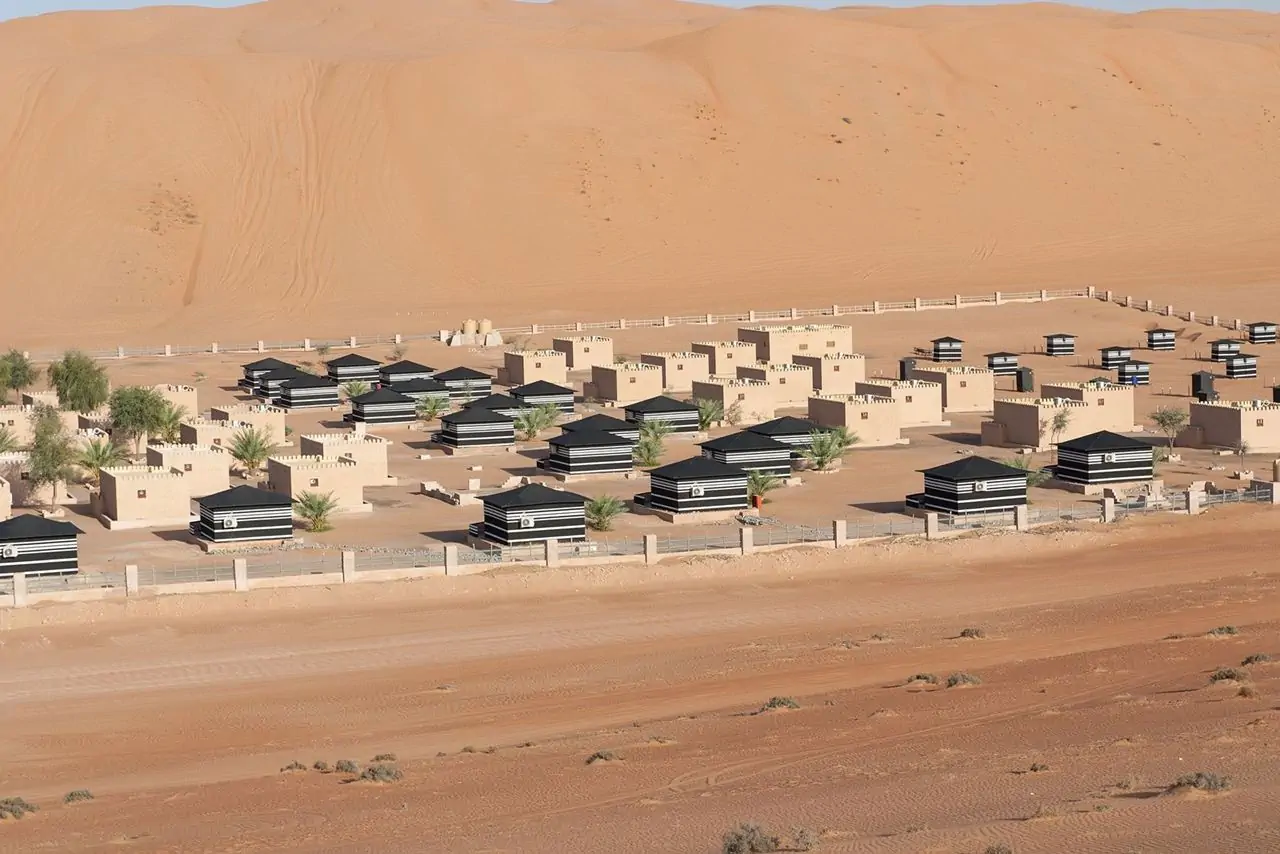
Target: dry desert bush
[(972, 632), (955, 680), (748, 838), (381, 773), (1256, 658), (1200, 781), (15, 808), (77, 795), (1223, 632), (602, 756), (779, 703), (1229, 674), (346, 766), (295, 765)]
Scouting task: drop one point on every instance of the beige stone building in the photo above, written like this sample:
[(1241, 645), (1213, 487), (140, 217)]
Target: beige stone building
[(1229, 424), (625, 382), (1115, 403), (754, 399), (723, 357), (368, 452), (19, 421), (921, 402), (964, 388), (343, 478), (584, 352), (780, 343), (835, 373), (144, 497), (202, 431), (206, 469), (792, 383), (48, 397), (183, 396), (876, 420), (6, 500), (520, 367), (1028, 422), (680, 370), (13, 466), (267, 418)]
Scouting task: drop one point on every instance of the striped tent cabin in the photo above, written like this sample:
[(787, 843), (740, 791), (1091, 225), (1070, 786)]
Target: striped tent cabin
[(422, 389), (1060, 344), (477, 428), (306, 391), (271, 383), (353, 368), (581, 452), (383, 406), (789, 430), (971, 485), (696, 485), (1242, 366), (1223, 349), (1104, 458), (1114, 357), (681, 416), (254, 371), (1261, 332), (605, 423), (1003, 364), (403, 371), (1134, 372), (532, 514), (750, 452), (1162, 340), (947, 349), (244, 514), (34, 545), (503, 403), (465, 384), (543, 393)]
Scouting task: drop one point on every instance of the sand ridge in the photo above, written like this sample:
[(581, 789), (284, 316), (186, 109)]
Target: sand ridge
[(285, 168)]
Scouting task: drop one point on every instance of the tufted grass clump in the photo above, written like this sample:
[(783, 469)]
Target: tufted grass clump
[(1256, 658), (779, 703), (295, 765), (346, 766), (973, 632), (76, 796), (602, 756), (381, 773), (1229, 674), (16, 808), (927, 678), (321, 766), (955, 680), (1201, 781), (384, 757), (998, 848), (1223, 632), (749, 838)]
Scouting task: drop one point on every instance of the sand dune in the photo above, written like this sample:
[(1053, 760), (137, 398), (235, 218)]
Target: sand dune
[(386, 165)]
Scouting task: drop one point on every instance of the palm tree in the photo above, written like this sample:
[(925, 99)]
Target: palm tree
[(531, 422), (8, 441), (649, 449), (1035, 476), (99, 454), (655, 430), (431, 408), (315, 509), (602, 510), (355, 388), (760, 483), (828, 446), (250, 447), (709, 412), (169, 429)]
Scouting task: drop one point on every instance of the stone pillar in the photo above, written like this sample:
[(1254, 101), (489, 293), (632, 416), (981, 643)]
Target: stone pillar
[(931, 529), (918, 305), (1195, 503), (397, 339), (261, 349), (1091, 292), (666, 320), (751, 316), (1021, 518), (20, 590), (578, 326), (1213, 319), (840, 533), (1238, 325), (450, 560), (1275, 471), (1108, 510), (306, 344), (119, 352), (650, 549), (168, 349), (875, 307), (795, 314), (835, 311), (130, 580), (351, 342), (1168, 311), (622, 323), (1044, 295), (348, 567), (747, 540), (214, 347), (533, 329), (999, 298), (710, 321), (956, 302), (552, 552), (1108, 296), (1191, 317), (240, 573)]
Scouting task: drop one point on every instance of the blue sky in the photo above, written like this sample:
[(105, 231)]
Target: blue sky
[(19, 8)]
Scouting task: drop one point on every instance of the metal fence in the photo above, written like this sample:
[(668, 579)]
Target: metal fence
[(964, 521), (399, 560)]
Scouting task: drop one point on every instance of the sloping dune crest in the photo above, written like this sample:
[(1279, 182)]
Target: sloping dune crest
[(296, 167)]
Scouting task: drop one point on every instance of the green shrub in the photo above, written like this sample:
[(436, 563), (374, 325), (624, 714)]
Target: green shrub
[(77, 795), (381, 773), (955, 680)]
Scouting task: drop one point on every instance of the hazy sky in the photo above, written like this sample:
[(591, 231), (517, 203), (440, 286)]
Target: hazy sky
[(18, 8)]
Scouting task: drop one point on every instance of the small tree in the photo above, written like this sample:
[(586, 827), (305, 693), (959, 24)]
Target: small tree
[(431, 408), (21, 373), (170, 427), (398, 351), (733, 415), (827, 446), (97, 455), (250, 447), (322, 350), (1058, 424), (81, 383), (8, 441), (531, 422), (5, 371), (1242, 450), (709, 412), (52, 452), (135, 413), (602, 510), (1170, 422), (355, 388), (761, 483), (1035, 476), (315, 509)]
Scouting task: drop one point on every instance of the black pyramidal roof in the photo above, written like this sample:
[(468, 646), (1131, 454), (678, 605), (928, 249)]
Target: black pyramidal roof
[(267, 365), (589, 439), (1104, 440), (477, 415), (461, 374), (382, 395), (1236, 341), (697, 468), (661, 403), (600, 421), (244, 496), (947, 339), (1163, 330), (989, 355), (404, 367), (1124, 347), (1258, 323), (533, 495), (353, 360), (973, 468), (285, 373), (310, 381), (418, 386), (1061, 335), (539, 388), (745, 441), (787, 425), (29, 527), (494, 401)]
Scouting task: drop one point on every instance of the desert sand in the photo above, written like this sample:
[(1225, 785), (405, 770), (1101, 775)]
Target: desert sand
[(184, 175)]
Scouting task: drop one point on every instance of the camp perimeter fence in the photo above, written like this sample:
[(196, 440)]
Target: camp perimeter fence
[(740, 537)]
